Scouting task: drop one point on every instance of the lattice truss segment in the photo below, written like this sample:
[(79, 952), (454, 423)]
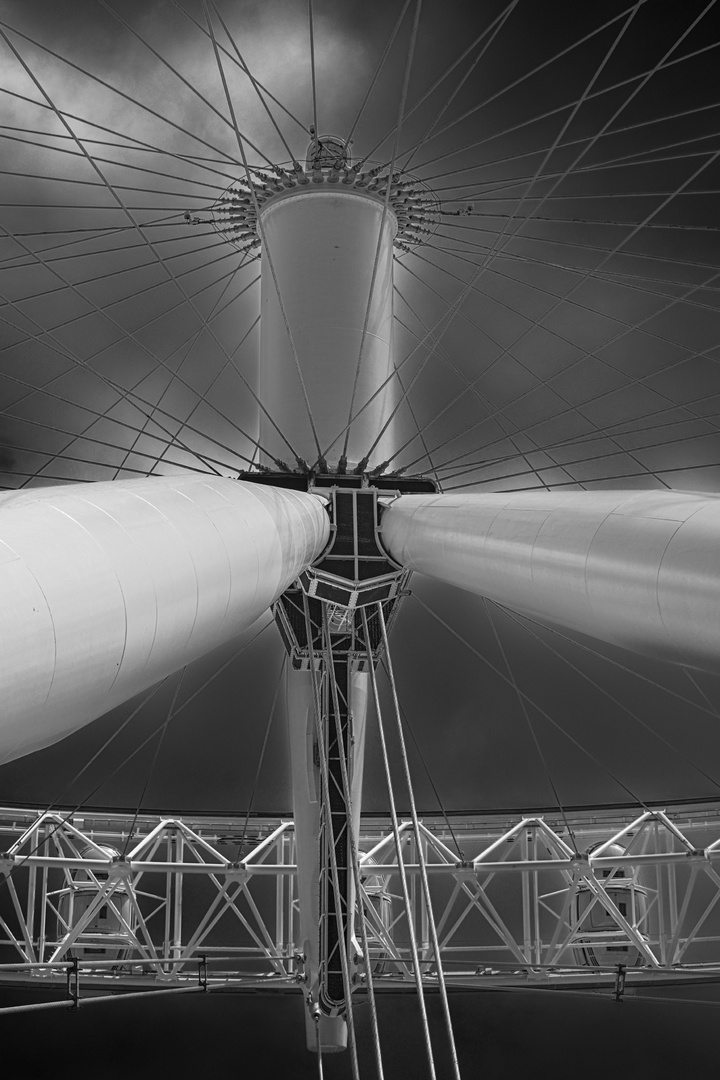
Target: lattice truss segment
[(178, 903)]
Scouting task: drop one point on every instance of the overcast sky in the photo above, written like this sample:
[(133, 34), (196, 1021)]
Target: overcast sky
[(617, 385)]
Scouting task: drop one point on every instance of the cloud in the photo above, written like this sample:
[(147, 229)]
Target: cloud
[(272, 37)]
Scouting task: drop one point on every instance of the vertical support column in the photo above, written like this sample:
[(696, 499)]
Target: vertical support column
[(321, 918), (280, 884), (335, 841), (527, 931), (178, 899), (32, 889), (167, 967)]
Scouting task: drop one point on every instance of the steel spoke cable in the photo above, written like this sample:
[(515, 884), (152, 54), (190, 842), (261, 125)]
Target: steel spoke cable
[(165, 174), (81, 436), (693, 418), (128, 757), (560, 108), (188, 351), (171, 276), (446, 317), (599, 166), (419, 846), (153, 763), (97, 233), (46, 476), (530, 701), (531, 728), (556, 241), (544, 383), (496, 28), (586, 482), (398, 850), (124, 394), (383, 219), (438, 82), (354, 855), (487, 261), (327, 824), (611, 697), (266, 248), (255, 84), (142, 291), (63, 456), (311, 32), (46, 205), (586, 404), (318, 1049), (691, 678), (99, 252), (222, 48), (571, 441), (166, 63), (478, 244), (534, 71), (646, 193), (376, 74), (582, 440), (418, 427), (586, 172), (133, 753), (446, 359), (185, 195), (470, 385), (693, 289), (140, 147), (109, 86), (674, 406), (416, 744), (628, 281), (261, 759), (498, 189), (84, 437), (70, 355), (592, 435), (75, 436), (196, 406), (596, 456), (599, 479)]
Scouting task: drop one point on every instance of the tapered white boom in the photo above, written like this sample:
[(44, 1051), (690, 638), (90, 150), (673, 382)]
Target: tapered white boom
[(638, 569), (107, 588)]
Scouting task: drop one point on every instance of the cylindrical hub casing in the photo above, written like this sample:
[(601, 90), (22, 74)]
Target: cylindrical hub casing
[(109, 587), (320, 245), (640, 569)]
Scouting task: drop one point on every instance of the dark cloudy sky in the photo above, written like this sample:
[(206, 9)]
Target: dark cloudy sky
[(592, 345)]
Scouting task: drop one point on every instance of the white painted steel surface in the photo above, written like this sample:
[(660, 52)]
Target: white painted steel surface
[(307, 792), (638, 569), (107, 588), (322, 243)]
